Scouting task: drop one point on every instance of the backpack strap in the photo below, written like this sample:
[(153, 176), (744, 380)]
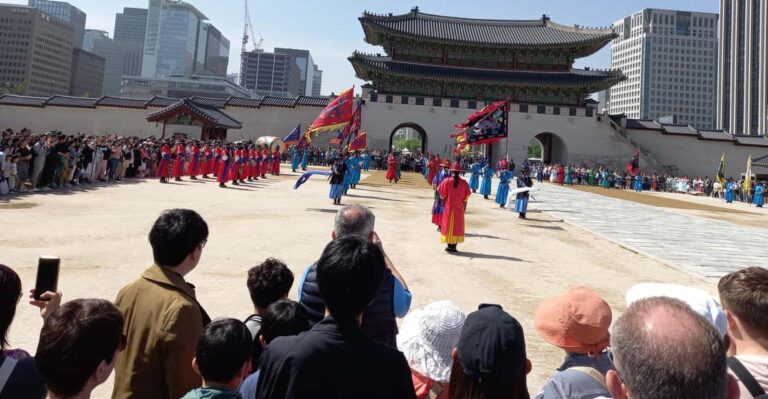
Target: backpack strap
[(746, 378), (437, 388), (5, 371), (596, 375)]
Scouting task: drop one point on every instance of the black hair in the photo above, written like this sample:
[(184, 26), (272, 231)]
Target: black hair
[(269, 282), (10, 292), (74, 340), (456, 179), (175, 234), (284, 318), (223, 349), (348, 274)]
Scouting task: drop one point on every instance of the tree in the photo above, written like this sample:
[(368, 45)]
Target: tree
[(534, 150), (11, 88)]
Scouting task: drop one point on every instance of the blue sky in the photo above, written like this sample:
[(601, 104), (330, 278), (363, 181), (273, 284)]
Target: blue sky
[(331, 31)]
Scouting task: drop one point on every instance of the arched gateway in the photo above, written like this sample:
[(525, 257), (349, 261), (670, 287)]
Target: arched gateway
[(553, 148), (405, 130)]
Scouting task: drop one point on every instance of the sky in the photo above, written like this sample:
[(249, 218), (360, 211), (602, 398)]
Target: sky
[(331, 31)]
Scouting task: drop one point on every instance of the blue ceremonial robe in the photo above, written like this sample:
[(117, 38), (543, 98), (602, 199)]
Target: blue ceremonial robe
[(304, 159), (758, 199), (294, 159), (729, 194), (502, 192), (485, 187), (474, 180), (638, 186)]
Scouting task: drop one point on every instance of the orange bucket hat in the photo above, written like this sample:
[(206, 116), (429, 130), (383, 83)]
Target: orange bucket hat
[(576, 321)]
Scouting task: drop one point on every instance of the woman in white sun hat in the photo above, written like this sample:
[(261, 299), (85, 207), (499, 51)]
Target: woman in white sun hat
[(427, 337)]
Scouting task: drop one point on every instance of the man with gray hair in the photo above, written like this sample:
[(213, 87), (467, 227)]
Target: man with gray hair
[(393, 298), (662, 349)]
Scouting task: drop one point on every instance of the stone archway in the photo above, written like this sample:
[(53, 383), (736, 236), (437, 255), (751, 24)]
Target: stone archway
[(408, 127), (553, 148)]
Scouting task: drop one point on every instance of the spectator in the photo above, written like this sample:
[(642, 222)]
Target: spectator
[(393, 299), (163, 317), (427, 339), (335, 358), (576, 322), (78, 345), (664, 350), (281, 319), (222, 359), (744, 295), (268, 282), (23, 380), (490, 361)]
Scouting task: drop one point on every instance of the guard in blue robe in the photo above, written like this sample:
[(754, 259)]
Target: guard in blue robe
[(349, 162), (357, 165), (474, 179), (294, 159), (338, 173), (304, 158), (758, 199), (487, 173), (502, 192), (730, 186), (437, 205), (521, 199), (638, 186)]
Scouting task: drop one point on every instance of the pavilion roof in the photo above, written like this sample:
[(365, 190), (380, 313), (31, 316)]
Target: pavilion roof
[(719, 135), (367, 67), (483, 32), (210, 114)]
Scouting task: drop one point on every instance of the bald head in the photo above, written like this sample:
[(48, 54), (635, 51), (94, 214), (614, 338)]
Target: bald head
[(663, 349), (356, 220)]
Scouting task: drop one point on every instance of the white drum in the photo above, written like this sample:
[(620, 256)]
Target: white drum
[(273, 143)]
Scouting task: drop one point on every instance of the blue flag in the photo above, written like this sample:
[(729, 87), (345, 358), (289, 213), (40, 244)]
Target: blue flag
[(294, 135), (303, 179)]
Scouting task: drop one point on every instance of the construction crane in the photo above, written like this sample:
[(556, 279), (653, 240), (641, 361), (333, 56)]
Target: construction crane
[(248, 32)]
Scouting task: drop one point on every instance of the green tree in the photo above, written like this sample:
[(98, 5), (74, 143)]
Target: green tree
[(413, 145), (534, 150), (11, 88)]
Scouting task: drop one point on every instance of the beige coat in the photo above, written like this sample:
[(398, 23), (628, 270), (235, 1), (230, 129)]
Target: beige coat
[(162, 323)]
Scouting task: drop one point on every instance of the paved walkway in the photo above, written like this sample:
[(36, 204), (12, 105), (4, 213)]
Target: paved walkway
[(705, 247)]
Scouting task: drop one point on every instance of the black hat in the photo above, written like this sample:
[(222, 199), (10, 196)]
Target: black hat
[(492, 345)]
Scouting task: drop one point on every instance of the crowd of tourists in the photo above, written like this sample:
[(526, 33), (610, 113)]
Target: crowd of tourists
[(341, 339)]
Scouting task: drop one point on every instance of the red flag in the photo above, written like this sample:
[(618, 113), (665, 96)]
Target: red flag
[(335, 115), (633, 166), (360, 142)]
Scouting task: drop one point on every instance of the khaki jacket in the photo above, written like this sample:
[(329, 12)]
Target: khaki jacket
[(162, 323)]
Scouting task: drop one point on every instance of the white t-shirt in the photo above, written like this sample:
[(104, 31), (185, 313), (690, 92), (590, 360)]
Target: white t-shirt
[(758, 367)]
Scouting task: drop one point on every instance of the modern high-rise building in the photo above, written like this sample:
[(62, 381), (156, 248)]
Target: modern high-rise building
[(36, 54), (271, 74), (131, 24), (742, 85), (87, 74), (123, 53), (670, 60), (303, 59), (179, 42), (317, 82), (67, 13), (92, 36)]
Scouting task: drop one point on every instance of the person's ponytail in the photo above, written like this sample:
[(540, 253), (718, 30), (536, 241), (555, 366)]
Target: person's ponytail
[(455, 179)]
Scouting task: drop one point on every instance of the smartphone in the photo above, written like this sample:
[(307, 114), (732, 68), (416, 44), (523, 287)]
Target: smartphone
[(47, 275)]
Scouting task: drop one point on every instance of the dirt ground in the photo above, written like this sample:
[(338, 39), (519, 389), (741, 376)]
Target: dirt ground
[(101, 235)]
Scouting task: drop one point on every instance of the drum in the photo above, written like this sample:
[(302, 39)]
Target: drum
[(273, 143)]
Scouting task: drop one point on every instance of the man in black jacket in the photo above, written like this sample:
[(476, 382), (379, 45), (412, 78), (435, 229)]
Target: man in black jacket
[(393, 299), (335, 359)]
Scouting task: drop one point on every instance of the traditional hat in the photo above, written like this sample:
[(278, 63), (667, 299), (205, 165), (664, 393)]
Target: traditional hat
[(427, 337), (576, 321), (447, 163), (456, 167)]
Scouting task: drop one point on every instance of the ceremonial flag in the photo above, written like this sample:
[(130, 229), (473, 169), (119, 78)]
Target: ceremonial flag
[(303, 179), (461, 142), (633, 166), (748, 178), (720, 177), (360, 142), (294, 136), (335, 115), (487, 126), (351, 129)]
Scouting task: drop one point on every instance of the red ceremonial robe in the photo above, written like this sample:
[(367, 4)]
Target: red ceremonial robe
[(276, 163), (178, 163), (194, 161), (454, 201), (222, 173), (205, 161), (264, 167), (235, 165), (165, 161), (391, 168), (432, 167)]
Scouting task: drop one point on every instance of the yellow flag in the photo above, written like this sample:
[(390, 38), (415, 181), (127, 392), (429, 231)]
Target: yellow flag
[(720, 178), (748, 178)]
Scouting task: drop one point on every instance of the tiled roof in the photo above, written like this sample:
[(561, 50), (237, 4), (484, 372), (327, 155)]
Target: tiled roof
[(244, 102), (643, 124), (161, 101), (759, 141), (24, 101), (217, 102), (507, 33), (683, 130), (367, 66), (719, 135), (312, 101), (206, 112), (109, 101), (278, 102), (68, 101)]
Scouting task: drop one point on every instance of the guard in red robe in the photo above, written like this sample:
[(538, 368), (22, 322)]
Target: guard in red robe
[(276, 163), (432, 167), (235, 175), (194, 161), (560, 177), (264, 167), (206, 161), (165, 161), (178, 163), (250, 164), (391, 168), (223, 171), (454, 192)]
